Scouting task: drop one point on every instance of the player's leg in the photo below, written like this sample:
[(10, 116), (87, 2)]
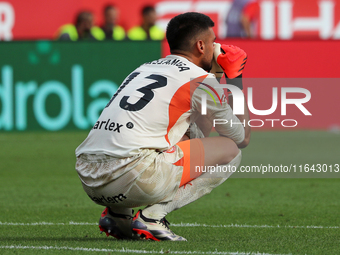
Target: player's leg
[(218, 150), (114, 221), (96, 173), (117, 223), (214, 150), (146, 180)]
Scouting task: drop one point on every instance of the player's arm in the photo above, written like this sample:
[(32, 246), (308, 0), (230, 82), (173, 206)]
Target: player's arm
[(232, 60), (218, 114), (244, 119), (204, 124)]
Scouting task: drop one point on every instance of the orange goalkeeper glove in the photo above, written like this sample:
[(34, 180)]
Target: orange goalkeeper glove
[(231, 59)]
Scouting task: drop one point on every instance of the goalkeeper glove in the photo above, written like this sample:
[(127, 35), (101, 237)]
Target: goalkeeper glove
[(231, 59)]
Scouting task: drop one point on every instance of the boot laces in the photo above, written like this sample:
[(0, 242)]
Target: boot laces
[(165, 222)]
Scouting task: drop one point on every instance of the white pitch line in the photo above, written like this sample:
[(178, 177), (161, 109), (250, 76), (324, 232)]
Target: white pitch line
[(174, 225), (245, 226), (125, 250), (45, 223)]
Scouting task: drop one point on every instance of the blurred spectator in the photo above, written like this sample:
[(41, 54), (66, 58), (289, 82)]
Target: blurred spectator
[(148, 29), (111, 29), (83, 29), (242, 18)]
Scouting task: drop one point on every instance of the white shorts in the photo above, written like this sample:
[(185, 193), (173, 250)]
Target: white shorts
[(147, 179)]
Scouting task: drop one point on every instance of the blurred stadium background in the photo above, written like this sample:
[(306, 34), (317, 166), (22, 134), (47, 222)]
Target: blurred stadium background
[(52, 92), (53, 85)]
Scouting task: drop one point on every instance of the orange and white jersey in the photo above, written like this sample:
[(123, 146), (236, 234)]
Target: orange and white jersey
[(152, 110)]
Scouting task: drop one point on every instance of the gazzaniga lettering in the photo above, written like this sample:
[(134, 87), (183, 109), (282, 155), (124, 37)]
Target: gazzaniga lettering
[(174, 62)]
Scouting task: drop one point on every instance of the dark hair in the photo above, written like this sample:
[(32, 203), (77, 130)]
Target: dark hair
[(147, 9), (108, 7), (183, 28), (82, 16)]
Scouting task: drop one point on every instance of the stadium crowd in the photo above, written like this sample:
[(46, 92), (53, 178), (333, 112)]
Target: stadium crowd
[(241, 22), (84, 28)]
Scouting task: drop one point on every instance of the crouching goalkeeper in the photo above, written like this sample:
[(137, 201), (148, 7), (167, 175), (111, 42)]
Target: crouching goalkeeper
[(141, 151)]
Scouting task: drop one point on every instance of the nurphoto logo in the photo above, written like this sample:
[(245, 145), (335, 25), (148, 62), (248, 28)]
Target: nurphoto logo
[(238, 104)]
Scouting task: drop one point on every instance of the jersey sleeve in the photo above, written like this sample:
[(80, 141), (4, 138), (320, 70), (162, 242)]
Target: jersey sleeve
[(217, 111)]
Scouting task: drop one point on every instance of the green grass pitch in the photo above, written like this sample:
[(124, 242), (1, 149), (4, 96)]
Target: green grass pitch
[(43, 209)]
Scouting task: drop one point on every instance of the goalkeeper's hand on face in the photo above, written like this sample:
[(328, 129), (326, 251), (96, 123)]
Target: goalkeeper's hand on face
[(215, 68), (232, 60)]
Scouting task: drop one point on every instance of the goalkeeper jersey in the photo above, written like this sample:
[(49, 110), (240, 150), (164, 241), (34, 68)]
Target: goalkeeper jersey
[(153, 108)]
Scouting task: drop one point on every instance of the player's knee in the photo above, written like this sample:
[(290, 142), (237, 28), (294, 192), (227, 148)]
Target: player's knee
[(231, 152)]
